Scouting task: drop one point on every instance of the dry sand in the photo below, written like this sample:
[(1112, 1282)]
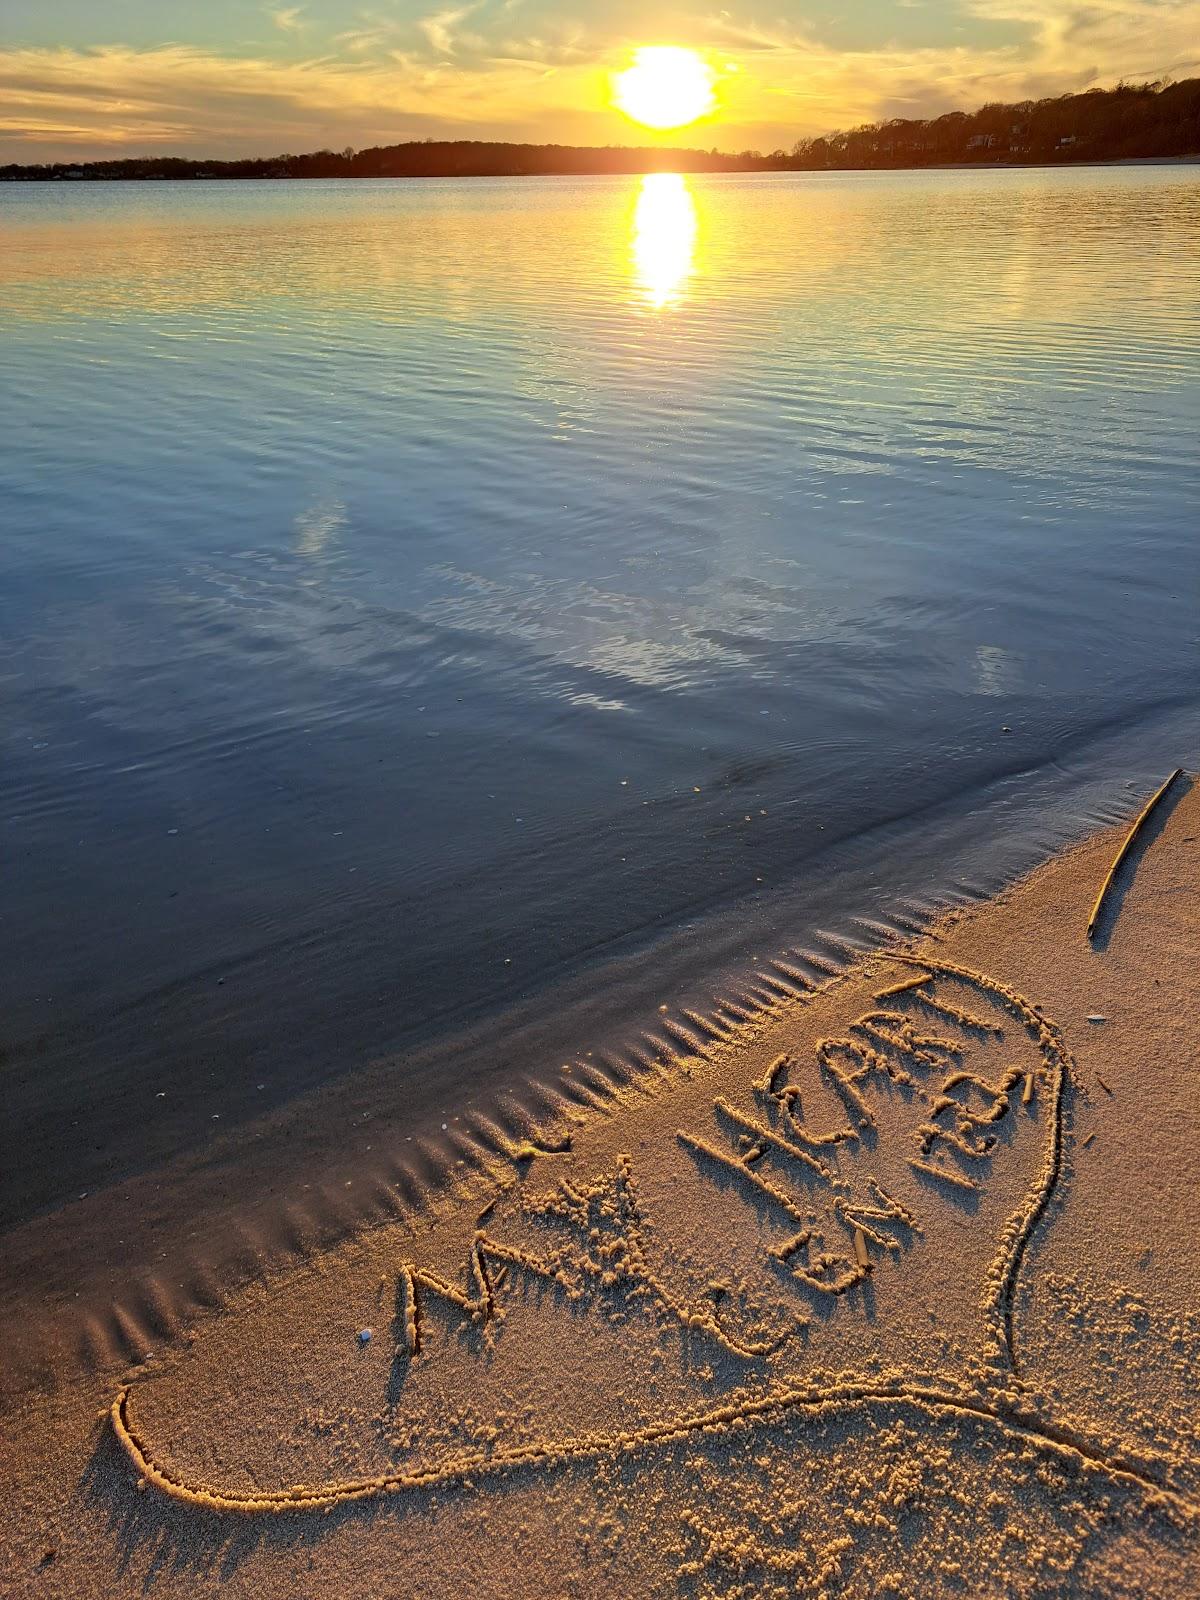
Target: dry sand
[(883, 1287)]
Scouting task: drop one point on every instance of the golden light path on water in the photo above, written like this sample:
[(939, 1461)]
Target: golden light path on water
[(664, 237)]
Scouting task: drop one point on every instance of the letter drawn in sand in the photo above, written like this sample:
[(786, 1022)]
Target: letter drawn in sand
[(596, 1244)]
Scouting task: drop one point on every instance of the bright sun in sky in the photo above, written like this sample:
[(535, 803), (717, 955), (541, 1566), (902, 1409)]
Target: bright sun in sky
[(666, 87)]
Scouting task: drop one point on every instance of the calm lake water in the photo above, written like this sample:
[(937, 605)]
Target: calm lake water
[(420, 600)]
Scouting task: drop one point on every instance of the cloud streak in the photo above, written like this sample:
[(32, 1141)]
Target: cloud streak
[(288, 19), (440, 29)]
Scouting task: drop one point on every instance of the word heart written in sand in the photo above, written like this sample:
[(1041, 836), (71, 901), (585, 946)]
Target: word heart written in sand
[(948, 1077), (930, 1124)]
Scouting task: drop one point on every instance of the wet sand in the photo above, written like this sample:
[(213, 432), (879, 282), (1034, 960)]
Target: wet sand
[(882, 1285)]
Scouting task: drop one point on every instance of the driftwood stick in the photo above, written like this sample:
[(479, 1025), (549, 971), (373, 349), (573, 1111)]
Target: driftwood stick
[(1139, 823)]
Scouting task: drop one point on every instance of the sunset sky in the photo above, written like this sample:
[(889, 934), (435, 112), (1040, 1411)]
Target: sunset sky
[(82, 78)]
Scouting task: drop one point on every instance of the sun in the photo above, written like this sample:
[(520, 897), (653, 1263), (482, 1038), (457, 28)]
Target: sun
[(666, 87)]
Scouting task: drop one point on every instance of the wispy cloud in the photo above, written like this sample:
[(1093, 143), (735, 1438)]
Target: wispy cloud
[(1130, 38), (288, 19), (441, 28), (175, 97)]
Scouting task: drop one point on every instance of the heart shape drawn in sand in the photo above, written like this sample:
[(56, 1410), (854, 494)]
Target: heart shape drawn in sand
[(921, 1101)]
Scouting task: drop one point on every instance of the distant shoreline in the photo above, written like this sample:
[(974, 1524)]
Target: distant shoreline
[(630, 172)]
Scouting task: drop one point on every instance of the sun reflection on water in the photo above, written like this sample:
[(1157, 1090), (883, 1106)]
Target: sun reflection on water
[(664, 238)]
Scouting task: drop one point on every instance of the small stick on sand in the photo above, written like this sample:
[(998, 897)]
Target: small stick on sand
[(1102, 1084), (1085, 1142), (1139, 823), (1027, 1091), (860, 1250), (905, 983)]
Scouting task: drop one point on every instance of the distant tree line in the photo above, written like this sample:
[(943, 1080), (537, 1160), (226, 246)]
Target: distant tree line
[(430, 158), (1130, 121)]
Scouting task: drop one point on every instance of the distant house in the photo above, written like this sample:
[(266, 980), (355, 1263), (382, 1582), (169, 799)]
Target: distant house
[(1067, 138), (981, 141)]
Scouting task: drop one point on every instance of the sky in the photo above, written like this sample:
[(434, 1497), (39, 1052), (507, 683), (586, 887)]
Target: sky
[(86, 79)]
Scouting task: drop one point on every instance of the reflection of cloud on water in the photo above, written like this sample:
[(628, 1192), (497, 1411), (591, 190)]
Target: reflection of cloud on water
[(316, 526), (997, 671), (650, 640), (593, 702)]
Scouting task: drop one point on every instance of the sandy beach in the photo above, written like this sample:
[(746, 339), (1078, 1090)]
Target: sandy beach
[(878, 1286)]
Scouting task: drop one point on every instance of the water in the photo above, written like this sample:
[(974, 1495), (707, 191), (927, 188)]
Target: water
[(480, 611)]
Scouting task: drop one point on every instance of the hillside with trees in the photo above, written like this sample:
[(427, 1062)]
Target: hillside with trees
[(1130, 122), (1125, 123)]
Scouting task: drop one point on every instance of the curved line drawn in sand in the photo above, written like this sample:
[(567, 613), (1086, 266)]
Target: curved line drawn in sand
[(466, 1470), (617, 1256), (1057, 1066)]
